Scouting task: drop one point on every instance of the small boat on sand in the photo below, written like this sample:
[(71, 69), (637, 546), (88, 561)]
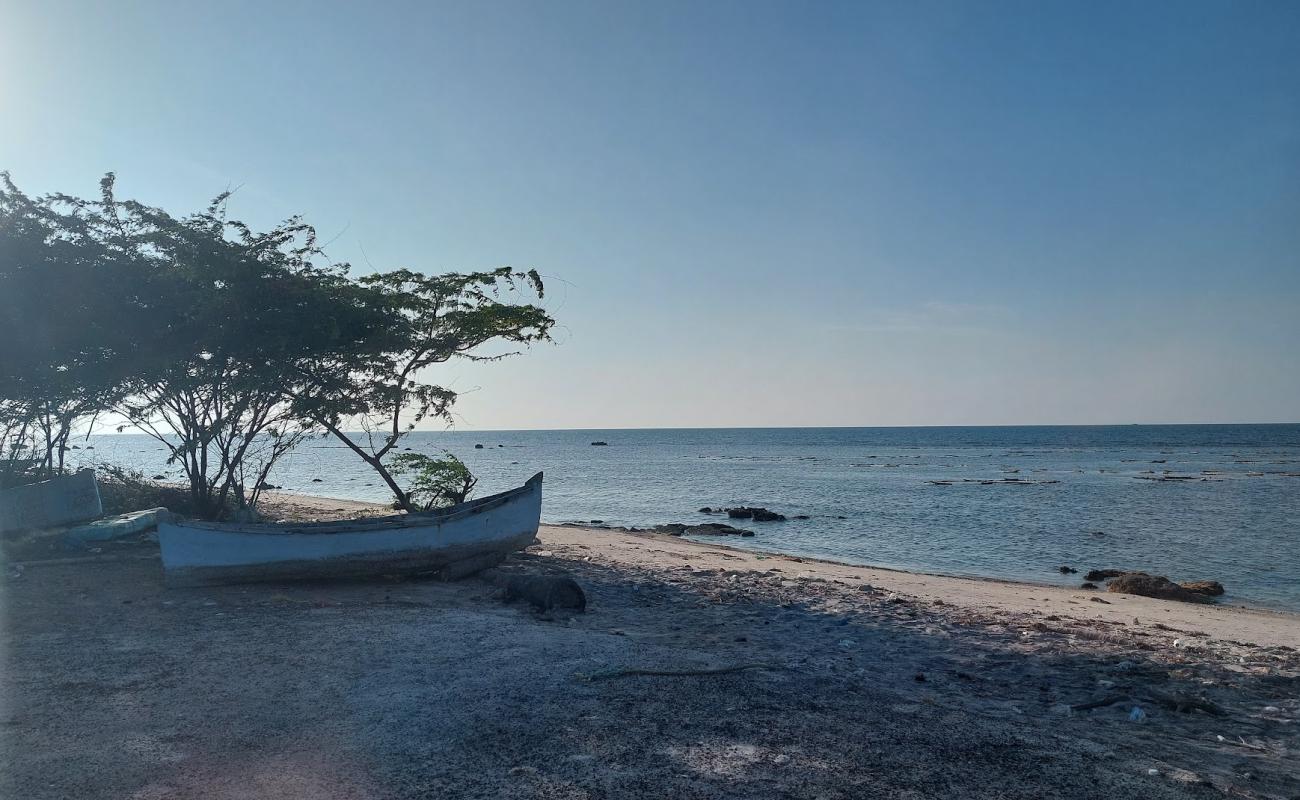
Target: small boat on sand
[(450, 542)]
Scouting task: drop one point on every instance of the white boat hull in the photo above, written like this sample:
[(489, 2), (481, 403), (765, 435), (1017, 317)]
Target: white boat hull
[(454, 542)]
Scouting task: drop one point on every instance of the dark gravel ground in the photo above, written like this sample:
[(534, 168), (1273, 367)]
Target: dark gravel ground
[(114, 687)]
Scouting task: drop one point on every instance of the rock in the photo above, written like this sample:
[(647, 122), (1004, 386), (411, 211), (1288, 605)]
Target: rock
[(1087, 585), (756, 514), (317, 480), (159, 478), (478, 447), (1067, 570), (1157, 586), (600, 444), (598, 522), (266, 486), (801, 516), (1102, 574), (1210, 588), (544, 592), (1186, 776), (707, 529), (706, 510)]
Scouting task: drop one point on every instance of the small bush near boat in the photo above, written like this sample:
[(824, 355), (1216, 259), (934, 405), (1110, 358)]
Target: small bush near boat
[(123, 490), (435, 482)]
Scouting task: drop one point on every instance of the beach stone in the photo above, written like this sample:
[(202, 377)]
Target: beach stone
[(545, 592), (1185, 776), (1210, 588), (1157, 586), (1102, 574)]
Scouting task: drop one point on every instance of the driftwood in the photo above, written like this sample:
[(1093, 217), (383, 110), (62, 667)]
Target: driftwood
[(1108, 700), (1182, 705)]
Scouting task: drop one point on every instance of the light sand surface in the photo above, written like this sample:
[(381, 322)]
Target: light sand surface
[(1220, 622)]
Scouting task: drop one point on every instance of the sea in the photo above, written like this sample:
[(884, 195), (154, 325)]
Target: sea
[(1193, 502)]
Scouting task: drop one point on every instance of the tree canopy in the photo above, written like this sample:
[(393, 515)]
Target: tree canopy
[(226, 344)]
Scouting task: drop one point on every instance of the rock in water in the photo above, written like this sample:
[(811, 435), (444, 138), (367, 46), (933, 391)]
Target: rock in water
[(1102, 574), (755, 513), (545, 592), (707, 529), (1156, 586)]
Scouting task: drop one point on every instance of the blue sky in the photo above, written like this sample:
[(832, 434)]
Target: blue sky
[(750, 213)]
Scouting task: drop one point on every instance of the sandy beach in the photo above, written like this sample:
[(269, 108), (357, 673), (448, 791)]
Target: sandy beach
[(697, 670)]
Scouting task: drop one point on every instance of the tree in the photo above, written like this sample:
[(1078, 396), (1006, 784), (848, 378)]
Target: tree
[(435, 482), (17, 446), (244, 309), (71, 315), (379, 386)]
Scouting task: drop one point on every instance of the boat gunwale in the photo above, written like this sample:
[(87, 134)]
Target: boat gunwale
[(391, 522)]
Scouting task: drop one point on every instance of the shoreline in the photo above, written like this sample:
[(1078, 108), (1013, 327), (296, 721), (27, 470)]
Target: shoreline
[(696, 670), (1267, 625)]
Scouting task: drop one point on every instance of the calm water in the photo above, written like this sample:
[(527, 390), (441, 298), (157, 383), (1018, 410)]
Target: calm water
[(866, 490)]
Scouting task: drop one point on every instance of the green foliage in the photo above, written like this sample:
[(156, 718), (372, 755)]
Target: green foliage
[(381, 388), (71, 317), (435, 482), (123, 490), (225, 344)]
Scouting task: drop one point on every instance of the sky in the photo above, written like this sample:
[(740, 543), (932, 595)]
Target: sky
[(747, 213)]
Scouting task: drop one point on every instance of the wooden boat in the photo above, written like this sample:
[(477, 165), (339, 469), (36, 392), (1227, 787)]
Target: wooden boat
[(451, 542)]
